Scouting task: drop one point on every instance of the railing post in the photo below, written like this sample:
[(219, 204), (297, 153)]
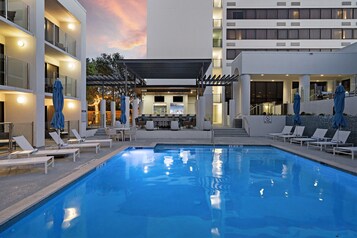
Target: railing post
[(11, 125)]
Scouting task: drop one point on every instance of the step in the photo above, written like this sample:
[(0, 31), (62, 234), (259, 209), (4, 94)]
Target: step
[(230, 132)]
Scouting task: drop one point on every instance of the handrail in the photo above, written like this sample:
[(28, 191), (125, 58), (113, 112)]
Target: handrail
[(244, 118)]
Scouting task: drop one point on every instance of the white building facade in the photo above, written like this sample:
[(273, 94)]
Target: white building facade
[(246, 26), (41, 41)]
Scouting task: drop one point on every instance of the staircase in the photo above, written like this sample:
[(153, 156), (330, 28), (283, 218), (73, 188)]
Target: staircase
[(230, 132), (100, 132)]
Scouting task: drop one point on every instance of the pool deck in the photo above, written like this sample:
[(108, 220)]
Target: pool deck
[(22, 187)]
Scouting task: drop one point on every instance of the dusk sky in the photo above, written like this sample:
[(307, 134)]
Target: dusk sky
[(116, 26)]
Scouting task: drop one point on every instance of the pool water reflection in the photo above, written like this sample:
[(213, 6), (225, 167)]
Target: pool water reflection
[(201, 191)]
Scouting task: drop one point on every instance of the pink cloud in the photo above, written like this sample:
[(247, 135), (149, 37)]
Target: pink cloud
[(116, 26)]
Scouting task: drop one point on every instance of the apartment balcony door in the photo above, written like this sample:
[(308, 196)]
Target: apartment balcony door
[(2, 65)]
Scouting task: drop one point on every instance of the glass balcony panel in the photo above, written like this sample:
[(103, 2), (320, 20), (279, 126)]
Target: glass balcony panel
[(71, 45), (49, 31), (217, 43), (217, 98), (2, 8), (2, 69), (217, 3), (60, 37), (17, 12), (69, 86), (49, 85), (16, 73), (217, 23)]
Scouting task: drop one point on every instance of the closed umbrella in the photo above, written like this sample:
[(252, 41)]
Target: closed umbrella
[(122, 109), (339, 105), (57, 121), (297, 120)]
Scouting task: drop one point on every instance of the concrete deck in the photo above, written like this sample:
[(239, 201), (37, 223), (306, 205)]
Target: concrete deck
[(23, 187)]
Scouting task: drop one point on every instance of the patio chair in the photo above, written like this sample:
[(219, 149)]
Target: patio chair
[(28, 150), (339, 138), (174, 126), (62, 145), (351, 150), (131, 134), (298, 131), (47, 161), (79, 139), (149, 126), (286, 131), (318, 135), (112, 133)]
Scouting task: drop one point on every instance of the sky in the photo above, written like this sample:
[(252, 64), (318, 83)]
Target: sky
[(116, 26)]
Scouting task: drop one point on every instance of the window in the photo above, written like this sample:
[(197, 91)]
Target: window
[(315, 13), (325, 33), (304, 34), (283, 14), (177, 99), (238, 14), (347, 13), (282, 34), (314, 33), (304, 14), (336, 34), (347, 34), (231, 54), (249, 14), (272, 14), (261, 14), (250, 34), (159, 98), (293, 34), (326, 14), (231, 34), (294, 14), (337, 14), (272, 34), (261, 34)]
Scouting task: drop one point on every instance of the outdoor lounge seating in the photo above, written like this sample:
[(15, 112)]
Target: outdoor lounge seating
[(298, 131), (318, 135), (149, 126), (79, 139), (62, 145), (47, 161), (131, 133), (174, 126), (339, 138), (345, 150), (28, 150), (286, 131)]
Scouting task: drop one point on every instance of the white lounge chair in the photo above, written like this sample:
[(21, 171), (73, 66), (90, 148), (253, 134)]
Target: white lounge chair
[(286, 131), (28, 150), (79, 139), (318, 135), (345, 150), (62, 145), (174, 126), (298, 131), (47, 161), (339, 138)]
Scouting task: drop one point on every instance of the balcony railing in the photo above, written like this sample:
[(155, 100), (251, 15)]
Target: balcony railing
[(217, 43), (217, 23), (16, 11), (69, 85), (14, 72), (217, 98), (59, 38)]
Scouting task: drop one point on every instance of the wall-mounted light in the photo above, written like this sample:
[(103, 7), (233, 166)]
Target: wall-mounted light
[(71, 26), (20, 43), (21, 99), (71, 105), (71, 65)]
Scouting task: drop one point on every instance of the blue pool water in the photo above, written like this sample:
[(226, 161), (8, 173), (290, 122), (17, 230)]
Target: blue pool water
[(200, 191)]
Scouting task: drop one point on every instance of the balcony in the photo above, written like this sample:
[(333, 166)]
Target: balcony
[(217, 63), (69, 85), (59, 38), (14, 72), (217, 98), (16, 11), (217, 3), (217, 43), (217, 23)]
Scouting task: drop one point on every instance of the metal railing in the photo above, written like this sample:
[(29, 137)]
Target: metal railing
[(16, 11), (14, 72)]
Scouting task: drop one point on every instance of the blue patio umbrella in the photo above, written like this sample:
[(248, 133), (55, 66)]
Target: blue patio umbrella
[(122, 109), (57, 121), (297, 120), (339, 105)]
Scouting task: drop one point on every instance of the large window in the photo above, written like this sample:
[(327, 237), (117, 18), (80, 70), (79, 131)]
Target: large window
[(262, 92), (293, 13)]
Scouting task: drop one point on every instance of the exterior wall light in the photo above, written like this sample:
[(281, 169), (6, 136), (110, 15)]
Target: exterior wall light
[(71, 105), (71, 65), (71, 26), (20, 99), (21, 43)]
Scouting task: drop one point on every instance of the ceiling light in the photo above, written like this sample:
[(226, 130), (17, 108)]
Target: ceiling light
[(21, 99), (21, 43), (71, 26)]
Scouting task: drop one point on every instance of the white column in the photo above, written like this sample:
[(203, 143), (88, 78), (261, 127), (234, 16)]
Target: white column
[(224, 113), (232, 111), (201, 112), (208, 103), (135, 110), (331, 85), (287, 86), (112, 112), (103, 116), (127, 111), (245, 89), (304, 88), (236, 98)]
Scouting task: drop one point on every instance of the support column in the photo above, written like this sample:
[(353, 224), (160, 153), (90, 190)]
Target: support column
[(113, 112), (287, 87), (331, 85), (135, 110), (208, 103), (304, 88), (103, 116), (235, 95), (245, 89), (127, 111)]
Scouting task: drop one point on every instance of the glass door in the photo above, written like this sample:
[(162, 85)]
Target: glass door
[(2, 65)]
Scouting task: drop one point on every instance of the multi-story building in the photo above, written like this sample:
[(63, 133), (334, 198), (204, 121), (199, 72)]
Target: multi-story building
[(40, 41), (261, 25)]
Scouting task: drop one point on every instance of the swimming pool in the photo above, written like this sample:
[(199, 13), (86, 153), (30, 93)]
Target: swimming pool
[(200, 191)]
